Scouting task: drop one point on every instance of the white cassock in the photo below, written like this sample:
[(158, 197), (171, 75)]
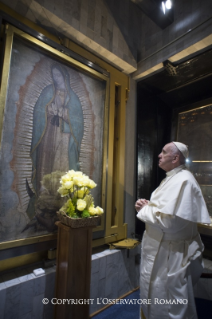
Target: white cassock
[(171, 246)]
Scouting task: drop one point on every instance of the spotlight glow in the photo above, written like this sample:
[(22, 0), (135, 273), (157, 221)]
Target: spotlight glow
[(163, 7), (168, 4)]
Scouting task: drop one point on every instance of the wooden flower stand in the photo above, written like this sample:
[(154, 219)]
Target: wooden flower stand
[(73, 272)]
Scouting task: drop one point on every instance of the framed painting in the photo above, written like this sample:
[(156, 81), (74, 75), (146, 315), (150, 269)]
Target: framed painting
[(53, 118), (195, 130)]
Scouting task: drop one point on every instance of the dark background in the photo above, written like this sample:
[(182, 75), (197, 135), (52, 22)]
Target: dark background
[(160, 97)]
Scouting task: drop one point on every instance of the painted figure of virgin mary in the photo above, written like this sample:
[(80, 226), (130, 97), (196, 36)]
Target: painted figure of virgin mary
[(57, 128), (57, 134)]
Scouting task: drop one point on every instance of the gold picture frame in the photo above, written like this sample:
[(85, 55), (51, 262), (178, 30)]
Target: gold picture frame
[(24, 87), (194, 129)]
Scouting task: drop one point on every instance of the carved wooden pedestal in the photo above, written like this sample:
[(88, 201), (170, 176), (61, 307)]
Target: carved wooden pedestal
[(73, 271)]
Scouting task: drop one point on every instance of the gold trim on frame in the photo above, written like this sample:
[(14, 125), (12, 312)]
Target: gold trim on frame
[(188, 111), (20, 261), (201, 161), (200, 107), (197, 108), (27, 241)]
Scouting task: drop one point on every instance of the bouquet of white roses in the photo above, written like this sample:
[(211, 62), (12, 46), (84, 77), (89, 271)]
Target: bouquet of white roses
[(80, 204)]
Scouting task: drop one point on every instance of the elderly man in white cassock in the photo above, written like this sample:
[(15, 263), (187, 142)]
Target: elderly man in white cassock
[(171, 245)]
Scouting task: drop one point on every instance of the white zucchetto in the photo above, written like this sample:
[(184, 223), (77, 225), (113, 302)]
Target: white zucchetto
[(182, 148)]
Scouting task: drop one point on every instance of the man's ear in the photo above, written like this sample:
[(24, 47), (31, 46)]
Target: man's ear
[(176, 158)]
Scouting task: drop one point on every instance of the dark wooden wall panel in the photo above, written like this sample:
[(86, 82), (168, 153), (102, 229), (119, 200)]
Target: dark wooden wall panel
[(153, 132)]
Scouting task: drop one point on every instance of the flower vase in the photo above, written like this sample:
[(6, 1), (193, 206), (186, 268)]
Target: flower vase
[(73, 273), (78, 222)]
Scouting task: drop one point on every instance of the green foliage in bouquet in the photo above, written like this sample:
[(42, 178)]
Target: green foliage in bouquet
[(80, 204)]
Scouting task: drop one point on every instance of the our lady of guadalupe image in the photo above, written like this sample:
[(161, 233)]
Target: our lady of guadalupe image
[(54, 122), (56, 139)]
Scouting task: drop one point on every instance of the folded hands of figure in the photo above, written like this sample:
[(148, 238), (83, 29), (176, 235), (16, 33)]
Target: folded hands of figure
[(140, 203), (63, 112), (52, 109)]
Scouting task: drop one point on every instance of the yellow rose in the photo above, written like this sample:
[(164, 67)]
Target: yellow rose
[(68, 184), (81, 204), (100, 210), (64, 178), (71, 173), (92, 211), (78, 181), (63, 191), (85, 180), (80, 193), (78, 174), (81, 181), (92, 184)]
